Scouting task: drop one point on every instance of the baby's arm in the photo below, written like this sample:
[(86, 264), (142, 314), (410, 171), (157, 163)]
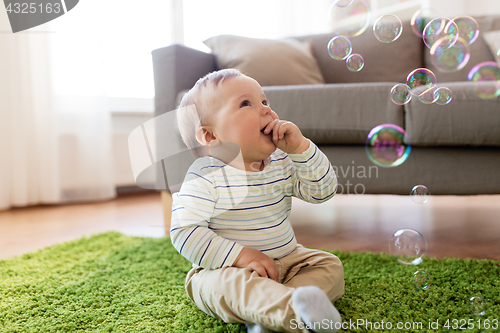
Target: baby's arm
[(313, 177), (192, 208), (197, 243)]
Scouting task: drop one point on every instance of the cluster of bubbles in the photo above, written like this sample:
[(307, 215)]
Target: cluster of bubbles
[(387, 145), (449, 42), (340, 48), (422, 84), (409, 247), (355, 17)]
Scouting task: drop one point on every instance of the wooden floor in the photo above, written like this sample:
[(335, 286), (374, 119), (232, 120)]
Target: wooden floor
[(454, 226)]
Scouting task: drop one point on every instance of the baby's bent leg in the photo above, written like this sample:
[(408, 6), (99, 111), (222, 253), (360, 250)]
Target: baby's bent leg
[(305, 267), (237, 295)]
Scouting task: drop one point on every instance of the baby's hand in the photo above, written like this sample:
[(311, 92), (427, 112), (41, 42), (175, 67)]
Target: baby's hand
[(258, 262), (287, 136)]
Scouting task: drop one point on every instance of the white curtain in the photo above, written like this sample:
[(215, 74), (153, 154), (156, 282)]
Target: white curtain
[(55, 130)]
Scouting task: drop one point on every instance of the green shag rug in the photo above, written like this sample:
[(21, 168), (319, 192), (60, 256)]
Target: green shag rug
[(110, 282)]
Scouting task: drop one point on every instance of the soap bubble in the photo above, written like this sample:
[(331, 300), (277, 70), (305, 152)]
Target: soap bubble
[(386, 145), (444, 96), (339, 47), (408, 246), (400, 94), (440, 28), (420, 19), (349, 21), (468, 28), (420, 194), (420, 80), (342, 3), (429, 96), (450, 59), (485, 78), (421, 280), (387, 28), (478, 305), (355, 62)]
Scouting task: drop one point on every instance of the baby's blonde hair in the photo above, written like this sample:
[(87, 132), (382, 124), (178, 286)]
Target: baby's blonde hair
[(197, 109)]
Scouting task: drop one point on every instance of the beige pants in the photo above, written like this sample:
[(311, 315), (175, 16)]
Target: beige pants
[(237, 295)]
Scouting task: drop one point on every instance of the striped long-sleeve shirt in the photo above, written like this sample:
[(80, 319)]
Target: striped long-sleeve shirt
[(220, 209)]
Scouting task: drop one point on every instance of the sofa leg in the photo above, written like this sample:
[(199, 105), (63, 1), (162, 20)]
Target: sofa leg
[(166, 201)]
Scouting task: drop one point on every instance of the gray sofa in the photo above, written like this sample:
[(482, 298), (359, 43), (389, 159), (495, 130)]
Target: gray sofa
[(454, 147)]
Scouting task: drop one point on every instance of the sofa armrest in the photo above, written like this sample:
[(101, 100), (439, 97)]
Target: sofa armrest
[(177, 68)]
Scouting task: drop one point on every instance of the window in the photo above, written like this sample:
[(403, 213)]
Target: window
[(110, 39)]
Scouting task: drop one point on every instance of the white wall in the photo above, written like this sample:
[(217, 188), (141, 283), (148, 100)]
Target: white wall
[(452, 8)]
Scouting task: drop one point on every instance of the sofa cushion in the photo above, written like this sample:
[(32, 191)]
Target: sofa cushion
[(336, 113), (492, 39), (270, 62), (479, 52), (466, 121), (390, 62)]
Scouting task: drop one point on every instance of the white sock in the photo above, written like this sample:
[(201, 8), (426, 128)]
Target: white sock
[(256, 328), (316, 311)]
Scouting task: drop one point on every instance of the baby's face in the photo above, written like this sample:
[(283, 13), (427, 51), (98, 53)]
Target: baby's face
[(244, 112)]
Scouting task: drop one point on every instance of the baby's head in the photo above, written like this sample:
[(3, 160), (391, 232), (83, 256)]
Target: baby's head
[(227, 106), (198, 106)]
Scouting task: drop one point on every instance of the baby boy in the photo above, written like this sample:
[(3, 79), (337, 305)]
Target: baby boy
[(247, 265)]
